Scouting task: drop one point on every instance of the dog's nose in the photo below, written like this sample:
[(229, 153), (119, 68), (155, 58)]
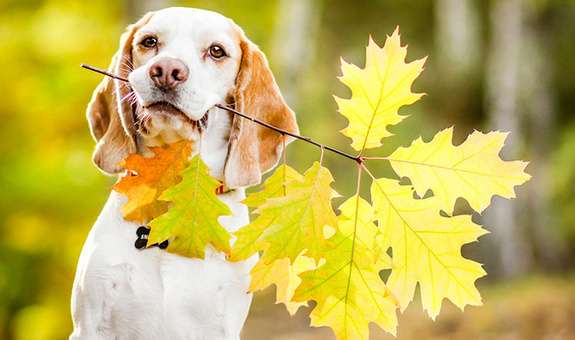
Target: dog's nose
[(167, 73)]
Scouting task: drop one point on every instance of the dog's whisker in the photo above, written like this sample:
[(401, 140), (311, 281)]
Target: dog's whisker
[(143, 114), (125, 61), (129, 94), (129, 97), (126, 67), (126, 86), (134, 100)]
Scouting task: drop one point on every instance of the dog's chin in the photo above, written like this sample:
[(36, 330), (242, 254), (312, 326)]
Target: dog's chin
[(163, 123), (169, 109)]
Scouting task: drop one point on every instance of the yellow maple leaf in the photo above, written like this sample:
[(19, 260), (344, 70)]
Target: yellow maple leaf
[(248, 237), (472, 170), (285, 276), (426, 248), (378, 91), (148, 177), (300, 217), (347, 287), (191, 223)]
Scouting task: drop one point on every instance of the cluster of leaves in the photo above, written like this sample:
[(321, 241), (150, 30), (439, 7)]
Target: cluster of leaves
[(169, 179), (311, 253)]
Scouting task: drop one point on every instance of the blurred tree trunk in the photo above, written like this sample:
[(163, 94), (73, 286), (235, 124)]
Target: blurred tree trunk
[(538, 104), (458, 51), (294, 43), (502, 91), (457, 37)]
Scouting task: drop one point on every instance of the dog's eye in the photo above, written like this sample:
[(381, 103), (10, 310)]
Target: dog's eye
[(149, 42), (217, 52)]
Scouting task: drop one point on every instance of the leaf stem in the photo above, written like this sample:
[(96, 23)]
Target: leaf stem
[(356, 217), (376, 158), (367, 171)]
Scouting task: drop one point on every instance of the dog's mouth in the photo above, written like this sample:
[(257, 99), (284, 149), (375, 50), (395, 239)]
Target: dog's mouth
[(171, 109)]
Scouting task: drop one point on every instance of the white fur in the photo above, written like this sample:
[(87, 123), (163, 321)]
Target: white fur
[(124, 293)]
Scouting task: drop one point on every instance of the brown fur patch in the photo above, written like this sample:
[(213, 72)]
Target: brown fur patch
[(110, 119), (255, 149)]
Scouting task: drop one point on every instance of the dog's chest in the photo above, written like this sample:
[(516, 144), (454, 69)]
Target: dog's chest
[(153, 294), (183, 299)]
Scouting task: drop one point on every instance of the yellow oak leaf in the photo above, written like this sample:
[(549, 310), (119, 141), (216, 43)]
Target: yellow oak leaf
[(247, 241), (148, 177), (285, 276), (426, 248), (347, 287), (377, 92), (275, 186), (280, 272), (300, 217), (472, 170), (191, 223)]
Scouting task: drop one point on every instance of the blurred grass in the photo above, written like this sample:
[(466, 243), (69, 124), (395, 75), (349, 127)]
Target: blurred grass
[(531, 309)]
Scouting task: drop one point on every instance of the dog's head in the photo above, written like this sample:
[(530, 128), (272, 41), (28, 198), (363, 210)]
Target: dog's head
[(181, 62)]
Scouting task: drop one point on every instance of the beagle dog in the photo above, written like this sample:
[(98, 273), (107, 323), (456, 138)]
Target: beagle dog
[(180, 63)]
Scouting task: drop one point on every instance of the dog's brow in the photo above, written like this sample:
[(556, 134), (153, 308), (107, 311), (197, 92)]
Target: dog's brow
[(144, 32), (224, 40)]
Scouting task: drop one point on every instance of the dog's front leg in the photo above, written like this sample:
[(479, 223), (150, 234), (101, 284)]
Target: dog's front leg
[(94, 296)]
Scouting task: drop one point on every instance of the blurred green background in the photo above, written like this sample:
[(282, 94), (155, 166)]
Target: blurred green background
[(498, 64)]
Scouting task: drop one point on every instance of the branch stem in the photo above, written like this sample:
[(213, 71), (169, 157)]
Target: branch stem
[(291, 134), (104, 72), (358, 159)]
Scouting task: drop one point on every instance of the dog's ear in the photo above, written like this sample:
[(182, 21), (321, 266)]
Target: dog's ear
[(255, 149), (110, 118)]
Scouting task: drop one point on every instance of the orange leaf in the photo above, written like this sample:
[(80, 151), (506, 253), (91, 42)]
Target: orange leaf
[(148, 177)]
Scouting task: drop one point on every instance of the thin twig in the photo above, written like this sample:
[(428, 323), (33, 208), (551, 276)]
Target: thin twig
[(357, 159), (104, 72), (294, 135)]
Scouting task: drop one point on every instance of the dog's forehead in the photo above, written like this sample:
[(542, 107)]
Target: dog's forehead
[(190, 21)]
